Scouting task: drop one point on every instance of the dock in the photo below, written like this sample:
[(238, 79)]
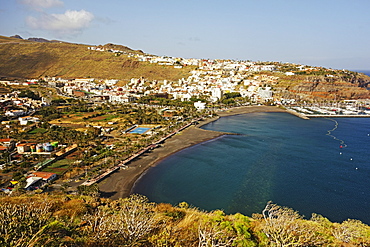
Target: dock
[(338, 116)]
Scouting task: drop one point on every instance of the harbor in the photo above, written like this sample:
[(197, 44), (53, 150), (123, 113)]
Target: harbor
[(346, 110)]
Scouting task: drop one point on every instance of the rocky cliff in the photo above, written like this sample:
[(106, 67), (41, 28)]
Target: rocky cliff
[(329, 87)]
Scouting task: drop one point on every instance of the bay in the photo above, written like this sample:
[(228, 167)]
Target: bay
[(277, 157)]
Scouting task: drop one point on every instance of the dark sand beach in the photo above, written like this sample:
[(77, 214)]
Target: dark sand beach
[(120, 183)]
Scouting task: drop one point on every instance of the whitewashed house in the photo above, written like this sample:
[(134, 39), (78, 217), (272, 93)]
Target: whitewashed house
[(200, 105)]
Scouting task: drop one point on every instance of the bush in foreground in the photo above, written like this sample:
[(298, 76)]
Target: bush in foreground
[(43, 220)]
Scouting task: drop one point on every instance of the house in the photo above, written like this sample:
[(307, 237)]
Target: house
[(46, 176), (162, 95), (24, 120), (79, 93), (169, 113), (14, 113), (121, 98), (6, 142), (25, 147), (38, 179), (111, 82), (32, 181), (200, 105), (84, 80), (265, 93)]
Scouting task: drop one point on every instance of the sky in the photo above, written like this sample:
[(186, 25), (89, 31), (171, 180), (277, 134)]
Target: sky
[(328, 33)]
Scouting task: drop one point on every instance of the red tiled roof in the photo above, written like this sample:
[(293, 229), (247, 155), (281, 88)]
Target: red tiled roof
[(25, 144), (44, 175)]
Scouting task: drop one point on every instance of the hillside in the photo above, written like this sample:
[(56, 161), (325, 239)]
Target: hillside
[(4, 39), (66, 220), (338, 86), (26, 59), (38, 57)]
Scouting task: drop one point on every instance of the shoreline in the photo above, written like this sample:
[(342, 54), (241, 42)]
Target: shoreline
[(120, 183)]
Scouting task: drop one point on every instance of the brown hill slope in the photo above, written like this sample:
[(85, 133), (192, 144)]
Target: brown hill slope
[(343, 85), (22, 58), (4, 39)]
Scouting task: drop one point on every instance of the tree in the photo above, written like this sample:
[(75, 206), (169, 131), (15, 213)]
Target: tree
[(136, 217), (29, 94), (99, 226), (216, 231), (352, 231), (129, 220), (21, 223), (92, 190), (280, 225)]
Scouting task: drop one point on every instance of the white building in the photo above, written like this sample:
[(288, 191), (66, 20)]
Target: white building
[(200, 105), (121, 98), (216, 94), (265, 93), (14, 113), (111, 82)]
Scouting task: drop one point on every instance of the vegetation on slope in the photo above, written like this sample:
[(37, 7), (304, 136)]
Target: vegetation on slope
[(4, 39), (52, 220), (36, 60)]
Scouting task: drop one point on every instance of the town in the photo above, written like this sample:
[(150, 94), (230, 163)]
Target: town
[(107, 122)]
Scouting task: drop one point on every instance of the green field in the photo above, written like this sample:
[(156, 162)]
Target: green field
[(59, 167), (106, 117), (37, 130)]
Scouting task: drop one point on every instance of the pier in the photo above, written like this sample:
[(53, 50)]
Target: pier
[(337, 116), (307, 112)]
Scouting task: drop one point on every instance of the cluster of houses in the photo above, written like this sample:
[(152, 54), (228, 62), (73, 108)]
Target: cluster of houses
[(34, 180), (212, 79), (16, 107), (10, 100), (198, 84)]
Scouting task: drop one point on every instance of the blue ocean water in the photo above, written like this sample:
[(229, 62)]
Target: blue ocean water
[(277, 157)]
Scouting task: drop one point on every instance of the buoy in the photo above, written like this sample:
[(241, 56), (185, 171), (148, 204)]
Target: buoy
[(340, 146), (340, 153), (350, 158)]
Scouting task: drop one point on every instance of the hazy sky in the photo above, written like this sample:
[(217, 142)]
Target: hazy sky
[(329, 33)]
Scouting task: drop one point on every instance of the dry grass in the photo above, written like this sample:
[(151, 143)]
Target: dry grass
[(36, 60), (4, 39)]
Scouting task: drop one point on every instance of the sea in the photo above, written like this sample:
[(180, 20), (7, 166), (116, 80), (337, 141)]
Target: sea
[(321, 166)]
